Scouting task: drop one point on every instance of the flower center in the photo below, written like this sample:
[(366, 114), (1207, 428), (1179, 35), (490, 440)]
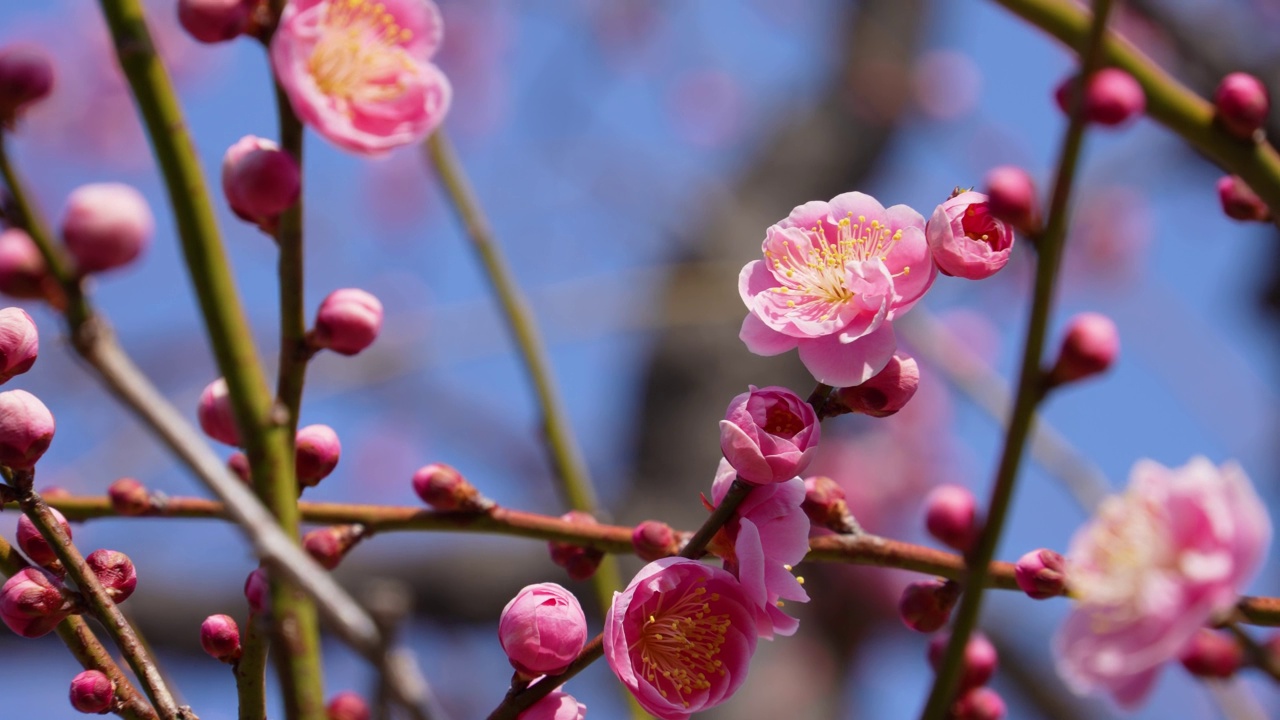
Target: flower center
[(358, 56), (979, 226), (780, 421), (1125, 545), (818, 272), (679, 645)]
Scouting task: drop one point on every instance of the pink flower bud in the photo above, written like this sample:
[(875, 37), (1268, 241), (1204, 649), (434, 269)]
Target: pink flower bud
[(92, 692), (580, 562), (925, 605), (347, 322), (26, 77), (220, 637), (1242, 103), (214, 21), (260, 180), (979, 662), (824, 503), (106, 225), (216, 416), (33, 544), (23, 273), (1240, 202), (980, 703), (53, 491), (966, 239), (1112, 98), (769, 435), (1041, 574), (1212, 654), (115, 571), (443, 488), (239, 464), (654, 540), (347, 706), (887, 392), (951, 516), (1090, 347), (26, 429), (33, 602), (19, 342), (317, 454), (129, 497), (557, 705), (329, 545), (257, 590), (542, 630), (1011, 196)]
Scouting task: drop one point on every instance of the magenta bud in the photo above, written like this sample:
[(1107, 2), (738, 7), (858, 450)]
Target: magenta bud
[(1242, 103), (214, 21), (966, 239), (347, 322), (106, 226), (257, 590), (1240, 202), (317, 454), (980, 658), (92, 692), (19, 343), (33, 602), (129, 497), (26, 429), (951, 516), (115, 571), (542, 630), (445, 489), (216, 416), (1112, 98), (329, 545), (33, 544), (887, 391), (769, 435), (1212, 654), (824, 503), (1011, 196), (239, 464), (580, 562), (1089, 347), (23, 273), (347, 706), (220, 637), (654, 540), (980, 703), (260, 180), (925, 605), (1041, 574), (26, 77)]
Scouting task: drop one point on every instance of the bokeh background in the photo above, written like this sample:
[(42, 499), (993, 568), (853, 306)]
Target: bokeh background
[(630, 154)]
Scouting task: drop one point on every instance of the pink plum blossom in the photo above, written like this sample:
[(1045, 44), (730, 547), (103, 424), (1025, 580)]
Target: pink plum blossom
[(966, 238), (542, 629), (769, 435), (768, 534), (833, 278), (1154, 566), (358, 71), (557, 705), (680, 637)]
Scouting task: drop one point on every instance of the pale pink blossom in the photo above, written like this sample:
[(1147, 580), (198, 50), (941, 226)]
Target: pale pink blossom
[(966, 239), (542, 629), (833, 278), (769, 435), (680, 637), (359, 71), (767, 536), (557, 705), (1154, 566)]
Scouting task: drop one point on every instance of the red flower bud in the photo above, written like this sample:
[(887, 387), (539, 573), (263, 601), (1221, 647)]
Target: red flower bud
[(260, 180), (347, 706), (26, 429), (26, 77), (979, 660), (1112, 97), (33, 544), (19, 343), (92, 692), (925, 605), (220, 637), (115, 571), (445, 489), (654, 540), (1240, 202), (1212, 654), (216, 416), (1089, 347), (129, 497), (33, 602), (951, 516), (317, 454), (824, 503), (214, 21), (579, 562), (329, 545), (1242, 103), (23, 273), (347, 322), (1041, 574), (1011, 196), (885, 393), (980, 703)]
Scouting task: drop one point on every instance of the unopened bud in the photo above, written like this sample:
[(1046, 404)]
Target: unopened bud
[(887, 392), (579, 562), (33, 602), (347, 322), (1041, 574), (951, 516), (23, 273), (26, 429), (979, 659), (129, 497), (214, 21), (1011, 196), (216, 416), (347, 706), (33, 544), (1212, 654), (92, 692), (445, 489), (257, 590), (1112, 97), (1240, 202), (317, 454), (1242, 103), (824, 503), (654, 540), (980, 703), (329, 545), (26, 77), (220, 637), (1089, 347), (106, 226), (19, 343), (925, 605), (115, 571), (260, 180), (239, 464)]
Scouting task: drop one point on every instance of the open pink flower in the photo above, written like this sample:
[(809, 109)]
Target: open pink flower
[(768, 534), (769, 435), (358, 71), (966, 239), (833, 278), (680, 637), (1153, 567)]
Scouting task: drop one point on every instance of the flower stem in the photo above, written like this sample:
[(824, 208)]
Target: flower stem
[(251, 672), (1030, 379)]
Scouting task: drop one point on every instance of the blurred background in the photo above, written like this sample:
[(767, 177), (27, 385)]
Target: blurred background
[(630, 155)]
